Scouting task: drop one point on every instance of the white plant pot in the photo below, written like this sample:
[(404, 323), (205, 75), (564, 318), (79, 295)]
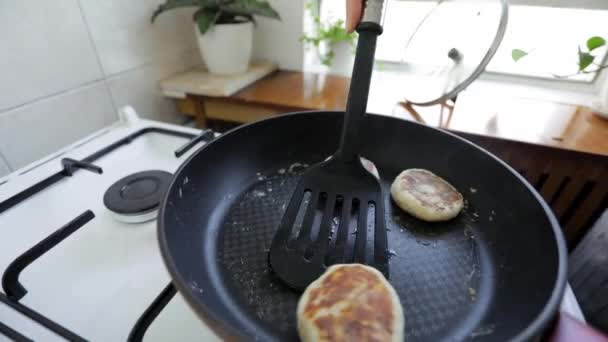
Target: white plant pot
[(226, 48), (344, 59)]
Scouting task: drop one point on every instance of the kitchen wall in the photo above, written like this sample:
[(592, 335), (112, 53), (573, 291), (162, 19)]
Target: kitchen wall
[(279, 41), (67, 65)]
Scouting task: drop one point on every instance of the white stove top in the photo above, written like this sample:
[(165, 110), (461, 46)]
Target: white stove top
[(99, 280)]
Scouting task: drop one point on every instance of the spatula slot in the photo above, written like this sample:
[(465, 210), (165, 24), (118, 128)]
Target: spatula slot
[(361, 236), (371, 226), (297, 225), (319, 213), (348, 249), (335, 222), (344, 218)]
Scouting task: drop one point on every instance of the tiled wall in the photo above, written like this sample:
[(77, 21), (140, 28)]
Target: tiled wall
[(67, 65), (279, 41)]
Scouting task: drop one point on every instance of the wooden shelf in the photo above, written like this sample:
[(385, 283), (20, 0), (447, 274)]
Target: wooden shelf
[(536, 122), (199, 81), (298, 91)]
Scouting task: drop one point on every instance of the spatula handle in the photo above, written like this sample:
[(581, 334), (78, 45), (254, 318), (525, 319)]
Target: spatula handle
[(372, 12), (368, 30)]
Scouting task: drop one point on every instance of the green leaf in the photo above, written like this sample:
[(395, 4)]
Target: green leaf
[(251, 7), (328, 59), (518, 54), (585, 59), (206, 18), (172, 4), (595, 42)]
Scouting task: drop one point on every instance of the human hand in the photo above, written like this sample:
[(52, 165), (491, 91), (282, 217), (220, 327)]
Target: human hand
[(353, 14)]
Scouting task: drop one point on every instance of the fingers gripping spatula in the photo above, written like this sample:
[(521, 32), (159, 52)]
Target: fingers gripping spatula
[(339, 197)]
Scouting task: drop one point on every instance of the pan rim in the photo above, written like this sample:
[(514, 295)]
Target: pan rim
[(534, 328)]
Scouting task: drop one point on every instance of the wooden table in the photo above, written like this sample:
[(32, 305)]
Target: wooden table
[(561, 149), (280, 92), (531, 121)]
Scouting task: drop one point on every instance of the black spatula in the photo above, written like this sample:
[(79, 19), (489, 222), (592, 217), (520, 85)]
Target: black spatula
[(338, 198)]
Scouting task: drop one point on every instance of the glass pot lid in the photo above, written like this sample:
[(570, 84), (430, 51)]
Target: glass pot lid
[(451, 48)]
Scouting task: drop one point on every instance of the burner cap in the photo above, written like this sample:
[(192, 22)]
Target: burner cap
[(136, 198)]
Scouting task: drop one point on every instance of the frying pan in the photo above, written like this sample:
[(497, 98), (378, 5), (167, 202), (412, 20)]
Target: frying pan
[(496, 272)]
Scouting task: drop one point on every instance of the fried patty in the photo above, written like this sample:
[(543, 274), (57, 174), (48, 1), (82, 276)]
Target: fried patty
[(350, 302), (426, 196)]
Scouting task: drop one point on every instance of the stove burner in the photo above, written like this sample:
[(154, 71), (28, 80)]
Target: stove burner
[(136, 198)]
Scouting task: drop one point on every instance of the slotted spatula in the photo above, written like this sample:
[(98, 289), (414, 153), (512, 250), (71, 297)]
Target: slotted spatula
[(336, 198)]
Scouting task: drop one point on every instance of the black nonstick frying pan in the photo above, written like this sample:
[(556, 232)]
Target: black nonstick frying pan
[(496, 272)]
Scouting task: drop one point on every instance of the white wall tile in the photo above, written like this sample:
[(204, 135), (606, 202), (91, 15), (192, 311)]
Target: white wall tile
[(51, 78), (125, 39), (44, 49), (33, 131), (279, 41), (140, 88)]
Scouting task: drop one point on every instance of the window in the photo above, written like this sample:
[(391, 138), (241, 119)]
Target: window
[(550, 30), (552, 35), (400, 22)]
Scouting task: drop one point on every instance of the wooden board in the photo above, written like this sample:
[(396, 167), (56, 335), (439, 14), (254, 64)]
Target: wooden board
[(200, 82), (236, 112), (297, 90)]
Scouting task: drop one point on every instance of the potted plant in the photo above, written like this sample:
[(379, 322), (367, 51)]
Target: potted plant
[(334, 45), (587, 64), (224, 30)]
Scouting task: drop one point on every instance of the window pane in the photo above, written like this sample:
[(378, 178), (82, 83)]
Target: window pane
[(552, 35), (400, 21), (333, 10)]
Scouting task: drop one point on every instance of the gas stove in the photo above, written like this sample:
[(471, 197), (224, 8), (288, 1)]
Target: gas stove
[(78, 265), (71, 268)]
